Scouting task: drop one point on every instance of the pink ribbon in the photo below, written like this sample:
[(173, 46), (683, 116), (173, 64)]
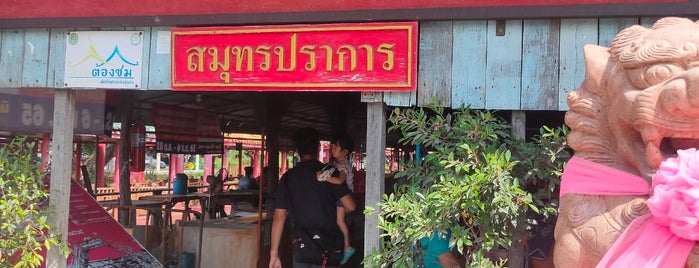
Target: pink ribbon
[(650, 240)]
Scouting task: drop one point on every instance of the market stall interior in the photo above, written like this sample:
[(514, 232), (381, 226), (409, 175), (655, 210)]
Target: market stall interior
[(255, 112), (274, 116)]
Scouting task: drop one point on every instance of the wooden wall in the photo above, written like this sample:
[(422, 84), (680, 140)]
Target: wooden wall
[(506, 65), (525, 65)]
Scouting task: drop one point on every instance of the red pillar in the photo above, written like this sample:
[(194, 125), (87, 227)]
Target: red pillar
[(77, 158), (45, 142), (137, 176), (117, 153), (101, 151), (173, 167), (208, 165), (224, 161), (255, 161), (283, 164), (179, 168), (320, 153), (240, 161), (266, 161)]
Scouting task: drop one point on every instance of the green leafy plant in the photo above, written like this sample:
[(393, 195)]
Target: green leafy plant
[(471, 181), (24, 231), (541, 165)]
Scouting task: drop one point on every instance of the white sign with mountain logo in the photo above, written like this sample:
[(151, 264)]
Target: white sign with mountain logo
[(104, 59)]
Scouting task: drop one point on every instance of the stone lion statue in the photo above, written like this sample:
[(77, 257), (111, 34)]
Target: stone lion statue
[(638, 105)]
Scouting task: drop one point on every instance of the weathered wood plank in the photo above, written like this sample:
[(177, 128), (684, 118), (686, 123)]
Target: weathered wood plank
[(0, 50), (519, 124), (575, 34), (61, 168), (504, 66), (57, 57), (375, 171), (610, 27), (159, 60), (400, 99), (468, 64), (540, 41), (434, 71), (12, 57), (143, 85), (36, 58)]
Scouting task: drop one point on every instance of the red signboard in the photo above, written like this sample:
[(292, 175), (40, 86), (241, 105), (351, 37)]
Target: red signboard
[(321, 57), (186, 131)]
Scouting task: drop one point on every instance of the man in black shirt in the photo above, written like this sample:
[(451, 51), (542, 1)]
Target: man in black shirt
[(311, 203)]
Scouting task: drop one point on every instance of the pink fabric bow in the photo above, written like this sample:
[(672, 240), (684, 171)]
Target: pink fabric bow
[(663, 238)]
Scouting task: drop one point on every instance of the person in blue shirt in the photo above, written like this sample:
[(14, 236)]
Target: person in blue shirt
[(434, 252), (247, 182)]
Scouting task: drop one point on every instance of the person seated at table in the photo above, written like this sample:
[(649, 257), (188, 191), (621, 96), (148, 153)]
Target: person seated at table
[(247, 182), (216, 186)]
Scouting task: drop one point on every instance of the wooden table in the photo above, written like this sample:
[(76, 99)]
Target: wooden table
[(154, 208), (170, 201), (210, 200)]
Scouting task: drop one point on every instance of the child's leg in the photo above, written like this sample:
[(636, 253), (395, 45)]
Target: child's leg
[(349, 250), (343, 226)]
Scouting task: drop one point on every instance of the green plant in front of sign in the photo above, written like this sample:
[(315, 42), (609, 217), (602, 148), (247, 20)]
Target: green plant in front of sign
[(24, 231)]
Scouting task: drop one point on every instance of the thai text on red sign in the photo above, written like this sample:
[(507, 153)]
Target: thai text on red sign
[(324, 57)]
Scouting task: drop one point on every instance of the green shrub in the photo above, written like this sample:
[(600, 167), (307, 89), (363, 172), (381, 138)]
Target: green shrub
[(471, 181), (24, 230)]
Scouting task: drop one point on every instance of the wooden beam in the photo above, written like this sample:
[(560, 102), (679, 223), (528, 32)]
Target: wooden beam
[(375, 173), (61, 167)]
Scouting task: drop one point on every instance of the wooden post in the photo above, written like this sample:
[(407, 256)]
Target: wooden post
[(125, 159), (61, 165), (375, 171), (515, 254), (519, 126)]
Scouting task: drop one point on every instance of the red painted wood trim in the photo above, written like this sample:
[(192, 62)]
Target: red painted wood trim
[(96, 8)]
